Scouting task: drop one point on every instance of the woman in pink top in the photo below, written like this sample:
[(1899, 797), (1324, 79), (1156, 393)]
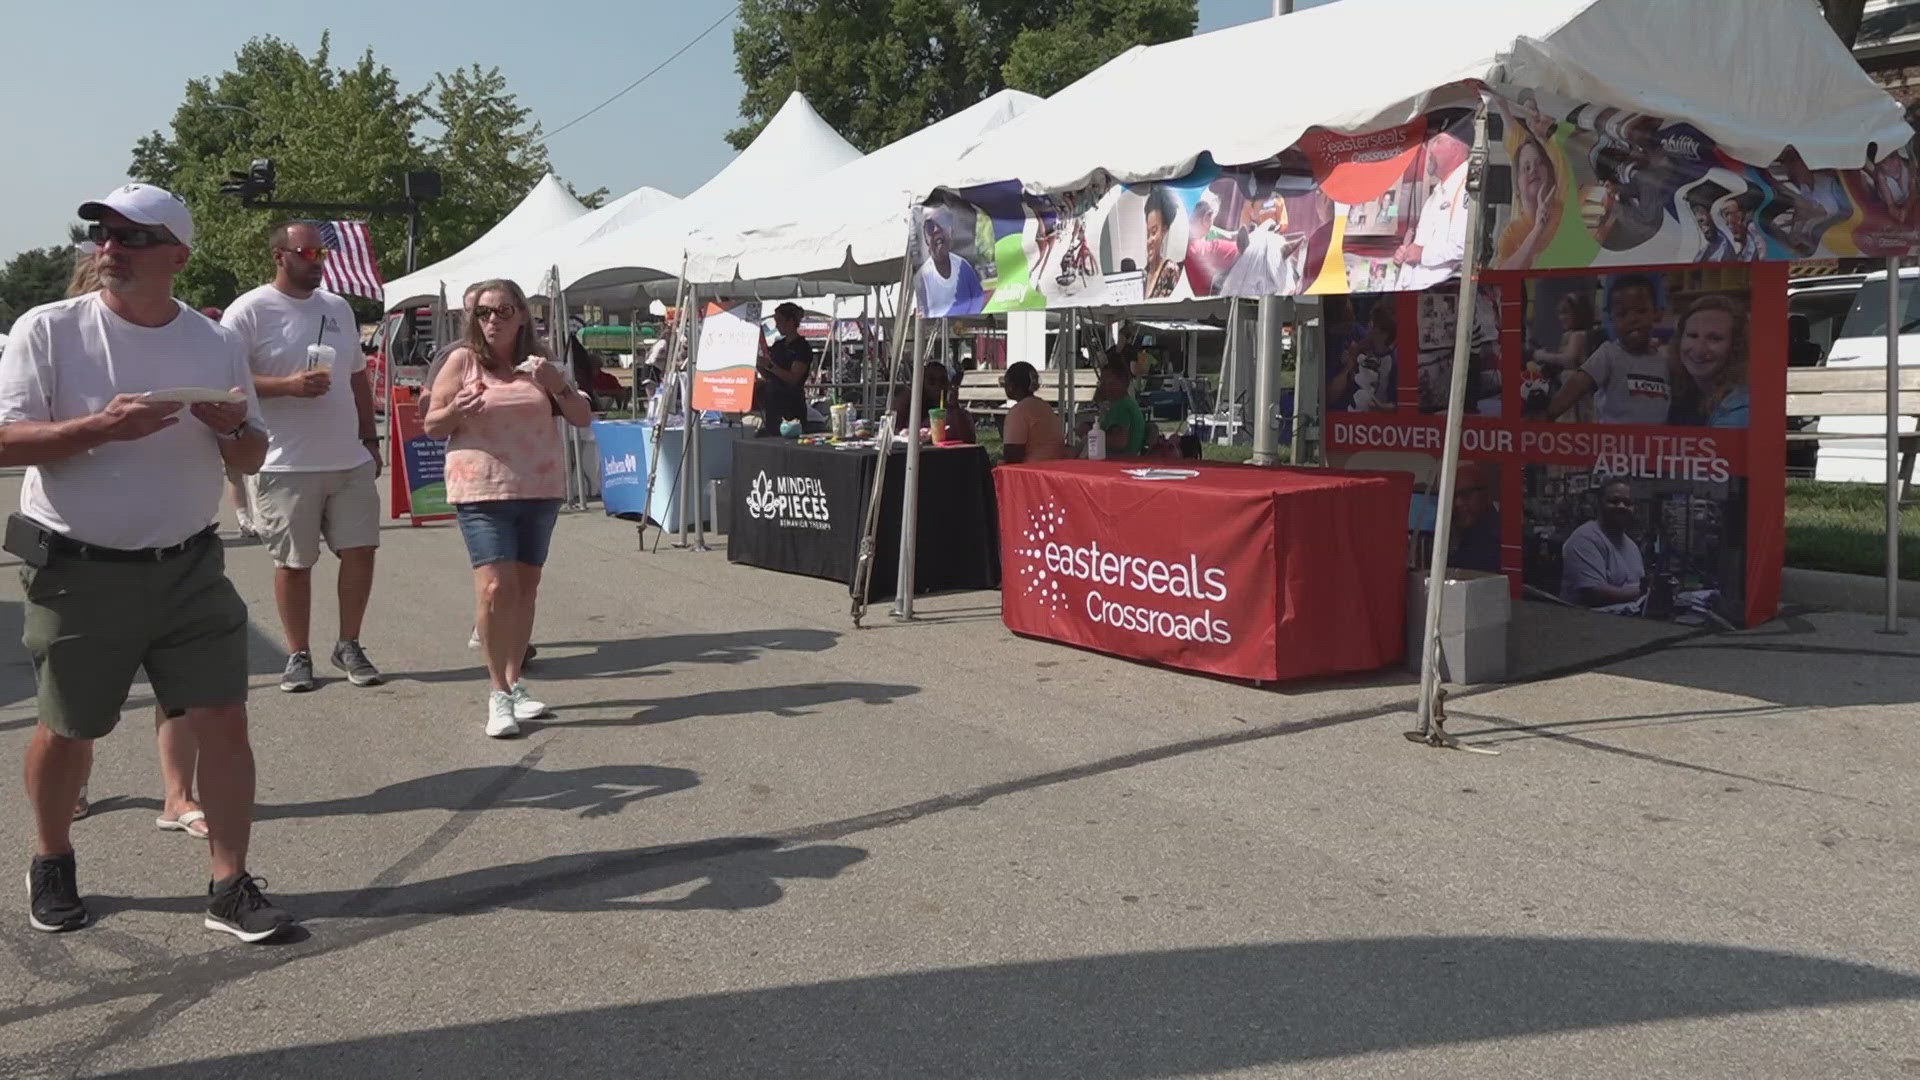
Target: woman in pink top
[(495, 399)]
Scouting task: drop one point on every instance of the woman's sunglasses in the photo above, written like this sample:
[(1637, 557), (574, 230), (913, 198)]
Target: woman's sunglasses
[(311, 254), (481, 312), (130, 236)]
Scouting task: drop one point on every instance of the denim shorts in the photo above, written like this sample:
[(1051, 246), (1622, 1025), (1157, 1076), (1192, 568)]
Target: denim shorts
[(508, 530)]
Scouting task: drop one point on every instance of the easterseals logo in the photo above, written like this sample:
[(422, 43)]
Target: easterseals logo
[(791, 502), (1049, 571)]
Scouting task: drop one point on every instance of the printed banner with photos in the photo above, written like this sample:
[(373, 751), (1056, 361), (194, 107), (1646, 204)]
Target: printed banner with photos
[(1624, 446), (1570, 185)]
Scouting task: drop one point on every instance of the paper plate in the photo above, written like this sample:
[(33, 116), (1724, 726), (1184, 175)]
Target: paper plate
[(195, 395)]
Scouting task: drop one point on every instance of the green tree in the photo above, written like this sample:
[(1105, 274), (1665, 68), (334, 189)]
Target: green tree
[(878, 70), (32, 278), (1067, 39), (337, 134), (36, 277)]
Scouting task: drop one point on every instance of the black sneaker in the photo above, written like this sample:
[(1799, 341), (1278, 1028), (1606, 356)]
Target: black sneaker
[(53, 890), (238, 908), (349, 657), (298, 678)]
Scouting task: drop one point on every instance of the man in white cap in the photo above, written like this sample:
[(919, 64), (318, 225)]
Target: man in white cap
[(122, 569)]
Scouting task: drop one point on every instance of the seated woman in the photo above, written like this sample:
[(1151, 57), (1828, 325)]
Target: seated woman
[(937, 392), (1032, 431)]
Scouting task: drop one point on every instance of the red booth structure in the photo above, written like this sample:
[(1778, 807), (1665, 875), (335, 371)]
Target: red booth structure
[(1250, 573)]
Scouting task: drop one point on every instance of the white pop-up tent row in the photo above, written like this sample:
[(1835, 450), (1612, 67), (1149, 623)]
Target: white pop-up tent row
[(1755, 78)]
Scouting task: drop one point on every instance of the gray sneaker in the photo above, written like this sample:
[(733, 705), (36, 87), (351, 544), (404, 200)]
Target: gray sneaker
[(298, 678), (349, 657)]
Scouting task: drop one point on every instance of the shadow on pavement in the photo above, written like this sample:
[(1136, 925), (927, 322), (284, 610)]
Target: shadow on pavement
[(727, 874), (612, 658), (786, 701), (1137, 1015), (598, 791)]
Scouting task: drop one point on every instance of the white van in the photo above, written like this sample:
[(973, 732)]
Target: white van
[(1861, 342)]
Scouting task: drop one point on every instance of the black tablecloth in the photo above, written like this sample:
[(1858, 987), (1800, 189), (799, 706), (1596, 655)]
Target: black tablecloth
[(801, 509)]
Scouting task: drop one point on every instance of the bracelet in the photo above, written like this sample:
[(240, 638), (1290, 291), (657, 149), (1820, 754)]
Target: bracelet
[(236, 432)]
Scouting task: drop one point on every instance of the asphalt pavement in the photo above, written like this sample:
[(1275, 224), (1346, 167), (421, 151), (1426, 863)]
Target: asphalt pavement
[(755, 841)]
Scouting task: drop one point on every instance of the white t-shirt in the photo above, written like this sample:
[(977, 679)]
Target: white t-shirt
[(319, 434), (940, 290), (67, 360), (1590, 557), (1632, 386)]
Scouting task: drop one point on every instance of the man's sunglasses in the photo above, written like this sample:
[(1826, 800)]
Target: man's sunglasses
[(130, 236), (481, 312), (311, 254)]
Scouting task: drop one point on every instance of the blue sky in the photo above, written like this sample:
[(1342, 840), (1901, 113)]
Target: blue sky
[(96, 101)]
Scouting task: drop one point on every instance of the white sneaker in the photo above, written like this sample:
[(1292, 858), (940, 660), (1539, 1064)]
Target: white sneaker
[(500, 711), (474, 641), (524, 707)]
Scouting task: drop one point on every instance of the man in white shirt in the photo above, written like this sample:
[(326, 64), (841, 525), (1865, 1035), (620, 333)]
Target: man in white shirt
[(122, 568), (1601, 565), (324, 451), (1440, 232)]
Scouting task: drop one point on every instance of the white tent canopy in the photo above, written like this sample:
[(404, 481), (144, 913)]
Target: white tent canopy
[(794, 147), (849, 218), (548, 206), (528, 263), (1755, 76)]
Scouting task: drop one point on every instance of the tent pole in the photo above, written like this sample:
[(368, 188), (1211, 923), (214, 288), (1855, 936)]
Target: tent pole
[(1430, 723), (696, 476), (1894, 321), (1266, 376), (898, 341), (910, 492), (686, 499), (656, 435)]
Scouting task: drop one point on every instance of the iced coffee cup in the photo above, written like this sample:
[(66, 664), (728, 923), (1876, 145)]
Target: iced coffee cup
[(319, 358)]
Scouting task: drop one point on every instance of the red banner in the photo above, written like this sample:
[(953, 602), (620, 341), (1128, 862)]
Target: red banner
[(1248, 573)]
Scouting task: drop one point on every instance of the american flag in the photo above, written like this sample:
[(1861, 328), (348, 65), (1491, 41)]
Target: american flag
[(351, 267)]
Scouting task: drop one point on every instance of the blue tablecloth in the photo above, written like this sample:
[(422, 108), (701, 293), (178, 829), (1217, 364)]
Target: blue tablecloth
[(624, 446)]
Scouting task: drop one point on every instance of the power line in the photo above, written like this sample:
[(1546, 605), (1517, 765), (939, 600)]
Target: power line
[(656, 70)]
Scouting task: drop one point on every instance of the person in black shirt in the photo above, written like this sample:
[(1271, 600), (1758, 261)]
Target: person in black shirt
[(783, 372)]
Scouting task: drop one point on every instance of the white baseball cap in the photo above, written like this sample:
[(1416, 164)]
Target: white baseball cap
[(144, 204)]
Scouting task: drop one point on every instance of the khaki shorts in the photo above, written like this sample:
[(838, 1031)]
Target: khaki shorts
[(89, 628), (296, 509)]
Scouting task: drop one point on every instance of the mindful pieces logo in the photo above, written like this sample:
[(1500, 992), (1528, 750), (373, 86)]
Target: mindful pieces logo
[(1043, 585), (760, 496), (791, 502)]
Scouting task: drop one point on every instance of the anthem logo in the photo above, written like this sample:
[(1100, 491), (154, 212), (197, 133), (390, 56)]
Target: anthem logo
[(616, 465)]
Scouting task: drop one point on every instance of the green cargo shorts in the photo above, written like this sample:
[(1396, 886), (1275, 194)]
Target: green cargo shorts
[(91, 626)]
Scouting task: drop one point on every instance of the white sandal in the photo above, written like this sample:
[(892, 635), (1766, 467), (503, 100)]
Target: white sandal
[(184, 823)]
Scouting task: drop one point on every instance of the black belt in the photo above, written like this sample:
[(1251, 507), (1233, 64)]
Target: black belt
[(70, 548)]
